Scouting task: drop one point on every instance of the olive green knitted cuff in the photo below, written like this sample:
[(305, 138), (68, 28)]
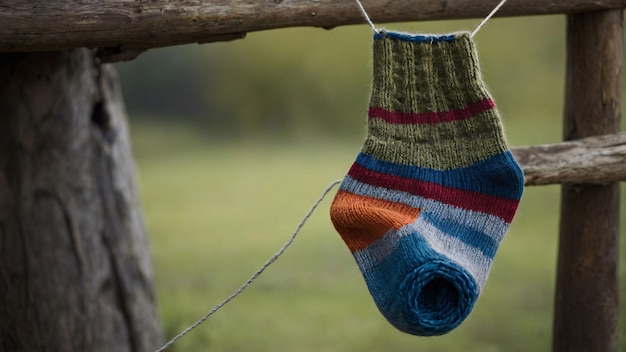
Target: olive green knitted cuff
[(428, 100)]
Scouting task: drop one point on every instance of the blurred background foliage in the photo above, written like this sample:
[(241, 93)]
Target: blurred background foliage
[(297, 82), (235, 140)]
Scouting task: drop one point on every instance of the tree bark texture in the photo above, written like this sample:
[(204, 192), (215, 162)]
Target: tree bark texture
[(75, 271), (587, 295), (128, 26), (592, 160)]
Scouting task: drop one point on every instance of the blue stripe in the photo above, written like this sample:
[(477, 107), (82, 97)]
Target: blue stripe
[(479, 240), (415, 38), (497, 176)]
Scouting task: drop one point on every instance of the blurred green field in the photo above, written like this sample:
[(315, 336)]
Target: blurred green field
[(218, 204)]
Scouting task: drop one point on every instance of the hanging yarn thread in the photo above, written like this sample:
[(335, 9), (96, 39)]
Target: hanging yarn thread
[(367, 17), (480, 25), (257, 273)]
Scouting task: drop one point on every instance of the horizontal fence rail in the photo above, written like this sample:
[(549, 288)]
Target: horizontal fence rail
[(593, 160), (44, 25)]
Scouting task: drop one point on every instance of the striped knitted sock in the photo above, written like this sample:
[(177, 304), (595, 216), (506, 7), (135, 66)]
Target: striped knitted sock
[(433, 191)]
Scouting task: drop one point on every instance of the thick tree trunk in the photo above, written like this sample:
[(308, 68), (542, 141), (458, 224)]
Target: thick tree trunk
[(75, 271)]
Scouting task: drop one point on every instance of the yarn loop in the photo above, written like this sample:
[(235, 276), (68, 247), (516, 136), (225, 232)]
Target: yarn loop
[(439, 295)]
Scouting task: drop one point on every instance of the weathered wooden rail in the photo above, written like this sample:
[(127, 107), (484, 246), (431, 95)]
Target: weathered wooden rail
[(592, 160), (43, 25), (589, 164)]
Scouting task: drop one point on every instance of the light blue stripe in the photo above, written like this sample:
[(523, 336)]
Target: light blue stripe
[(469, 257), (477, 239), (492, 226), (377, 252)]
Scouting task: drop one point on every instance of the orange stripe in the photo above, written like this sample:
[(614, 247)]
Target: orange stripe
[(362, 220)]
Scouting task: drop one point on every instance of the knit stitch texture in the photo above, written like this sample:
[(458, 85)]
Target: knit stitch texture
[(434, 189)]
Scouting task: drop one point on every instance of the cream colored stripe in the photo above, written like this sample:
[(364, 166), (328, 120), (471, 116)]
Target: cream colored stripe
[(470, 258)]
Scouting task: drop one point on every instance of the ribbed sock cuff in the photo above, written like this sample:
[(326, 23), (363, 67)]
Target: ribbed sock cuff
[(416, 74), (429, 101)]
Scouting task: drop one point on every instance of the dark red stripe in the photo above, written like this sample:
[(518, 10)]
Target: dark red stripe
[(470, 200), (433, 117)]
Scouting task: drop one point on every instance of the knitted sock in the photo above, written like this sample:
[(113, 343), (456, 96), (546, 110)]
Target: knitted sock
[(433, 191)]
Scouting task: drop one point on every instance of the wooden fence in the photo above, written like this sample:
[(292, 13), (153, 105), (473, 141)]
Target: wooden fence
[(589, 164)]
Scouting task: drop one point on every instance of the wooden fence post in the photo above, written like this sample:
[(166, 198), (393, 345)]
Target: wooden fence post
[(75, 271), (586, 313)]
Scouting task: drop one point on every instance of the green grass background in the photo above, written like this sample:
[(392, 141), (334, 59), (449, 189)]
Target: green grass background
[(217, 212), (216, 208)]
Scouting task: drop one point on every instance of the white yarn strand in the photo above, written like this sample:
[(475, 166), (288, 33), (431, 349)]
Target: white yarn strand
[(480, 25), (257, 273), (367, 17), (493, 12)]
